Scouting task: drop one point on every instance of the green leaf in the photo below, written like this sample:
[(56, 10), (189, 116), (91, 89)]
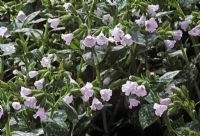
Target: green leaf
[(92, 59), (189, 73), (71, 112), (161, 14), (31, 16), (147, 116), (36, 132), (169, 76), (139, 38)]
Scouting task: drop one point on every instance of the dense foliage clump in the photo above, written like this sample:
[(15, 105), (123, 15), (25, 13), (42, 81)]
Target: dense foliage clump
[(99, 67)]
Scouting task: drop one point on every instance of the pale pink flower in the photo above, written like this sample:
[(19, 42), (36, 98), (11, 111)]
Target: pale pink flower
[(16, 106), (177, 34), (171, 86), (169, 44), (33, 74), (54, 22), (46, 62), (30, 102), (151, 25), (159, 109), (127, 40), (165, 101), (96, 104), (67, 38), (140, 91), (68, 99), (1, 111), (129, 88), (41, 113), (117, 34), (184, 24), (87, 91), (89, 41), (133, 103), (39, 84), (195, 31), (101, 39), (106, 94), (106, 81), (25, 91), (152, 9), (141, 20)]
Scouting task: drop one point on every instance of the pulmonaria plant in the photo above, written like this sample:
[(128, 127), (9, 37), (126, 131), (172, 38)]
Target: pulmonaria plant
[(67, 38), (16, 105), (89, 41), (54, 22), (68, 99), (41, 113), (99, 64), (96, 104), (151, 25), (30, 102), (87, 91), (33, 74), (25, 91), (106, 94)]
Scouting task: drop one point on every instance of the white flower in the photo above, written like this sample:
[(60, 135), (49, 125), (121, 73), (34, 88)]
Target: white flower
[(96, 105), (127, 40), (117, 34), (33, 74), (46, 61), (15, 72), (89, 41), (68, 99), (87, 91), (25, 91), (67, 5), (54, 22), (67, 38), (129, 88), (112, 3), (101, 39), (106, 94), (39, 84), (16, 105)]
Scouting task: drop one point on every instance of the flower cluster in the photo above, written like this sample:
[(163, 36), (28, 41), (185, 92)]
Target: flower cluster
[(132, 88)]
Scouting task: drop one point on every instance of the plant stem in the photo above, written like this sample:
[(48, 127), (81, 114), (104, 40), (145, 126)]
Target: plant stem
[(105, 121), (98, 76), (8, 126), (167, 123), (45, 35), (1, 68)]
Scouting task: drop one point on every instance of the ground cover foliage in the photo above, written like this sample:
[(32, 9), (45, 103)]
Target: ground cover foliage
[(99, 67)]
